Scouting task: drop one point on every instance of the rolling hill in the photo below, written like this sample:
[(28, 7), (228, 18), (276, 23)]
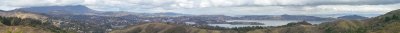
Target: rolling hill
[(27, 25), (72, 9), (387, 23)]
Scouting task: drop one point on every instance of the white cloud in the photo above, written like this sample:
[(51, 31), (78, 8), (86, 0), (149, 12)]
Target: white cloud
[(222, 3), (228, 7), (13, 4), (376, 9), (298, 10)]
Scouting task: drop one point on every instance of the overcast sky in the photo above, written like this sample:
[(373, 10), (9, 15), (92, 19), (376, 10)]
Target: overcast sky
[(222, 7)]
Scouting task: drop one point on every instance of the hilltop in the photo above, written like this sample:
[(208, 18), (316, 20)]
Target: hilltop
[(23, 14), (353, 17), (27, 25)]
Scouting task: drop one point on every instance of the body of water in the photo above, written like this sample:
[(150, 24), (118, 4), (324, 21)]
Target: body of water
[(266, 22)]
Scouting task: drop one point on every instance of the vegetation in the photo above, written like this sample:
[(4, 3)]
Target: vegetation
[(16, 24), (388, 23), (179, 28), (342, 26)]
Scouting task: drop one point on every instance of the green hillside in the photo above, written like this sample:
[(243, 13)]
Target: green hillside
[(27, 25)]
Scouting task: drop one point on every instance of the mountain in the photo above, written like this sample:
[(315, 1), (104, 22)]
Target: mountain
[(302, 17), (83, 10), (70, 9), (298, 23), (125, 13), (353, 17), (169, 14)]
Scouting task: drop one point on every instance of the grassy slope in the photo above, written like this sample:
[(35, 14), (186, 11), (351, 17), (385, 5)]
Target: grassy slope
[(170, 28), (387, 23), (22, 29), (163, 28), (18, 25)]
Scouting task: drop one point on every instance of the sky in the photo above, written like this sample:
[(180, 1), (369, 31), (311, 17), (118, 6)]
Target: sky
[(222, 7)]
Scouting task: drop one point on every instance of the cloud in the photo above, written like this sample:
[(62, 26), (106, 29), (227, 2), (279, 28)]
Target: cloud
[(226, 7), (13, 4), (353, 2), (296, 10), (173, 4)]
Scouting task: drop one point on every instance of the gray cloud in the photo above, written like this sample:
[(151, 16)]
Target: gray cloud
[(298, 10), (172, 4), (226, 7), (353, 2)]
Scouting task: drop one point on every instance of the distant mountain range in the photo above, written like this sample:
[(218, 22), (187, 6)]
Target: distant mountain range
[(282, 17), (353, 17), (73, 9), (83, 10)]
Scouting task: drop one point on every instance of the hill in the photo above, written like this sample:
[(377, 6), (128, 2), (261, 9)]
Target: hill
[(387, 23), (163, 28), (27, 25), (71, 9), (179, 28), (353, 17), (22, 14)]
